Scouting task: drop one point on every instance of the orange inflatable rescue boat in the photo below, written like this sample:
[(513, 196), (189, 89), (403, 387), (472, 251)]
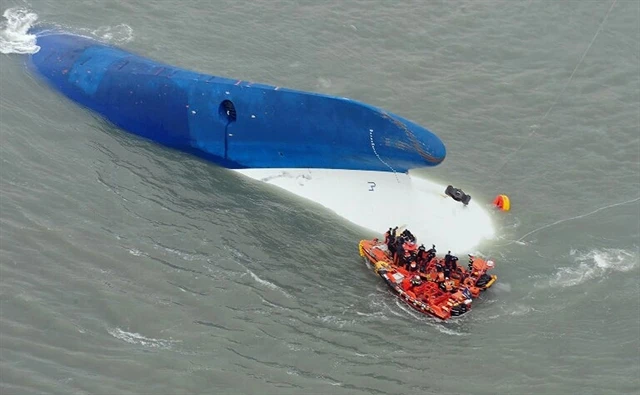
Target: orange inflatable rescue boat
[(418, 277)]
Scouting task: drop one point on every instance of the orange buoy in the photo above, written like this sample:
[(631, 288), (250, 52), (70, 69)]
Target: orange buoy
[(502, 202)]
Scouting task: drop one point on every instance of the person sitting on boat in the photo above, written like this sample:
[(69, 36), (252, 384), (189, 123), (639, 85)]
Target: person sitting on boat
[(410, 256), (450, 285), (442, 284), (459, 272), (439, 267), (468, 282), (416, 281), (447, 285), (412, 265)]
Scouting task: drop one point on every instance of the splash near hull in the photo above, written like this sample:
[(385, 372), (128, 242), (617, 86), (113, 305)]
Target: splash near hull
[(237, 124)]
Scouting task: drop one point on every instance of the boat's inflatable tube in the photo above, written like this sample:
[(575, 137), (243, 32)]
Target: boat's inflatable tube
[(237, 124)]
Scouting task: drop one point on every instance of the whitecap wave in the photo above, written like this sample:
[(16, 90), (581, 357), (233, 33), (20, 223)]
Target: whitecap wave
[(184, 255), (119, 34), (240, 255), (595, 264), (136, 338), (13, 31), (267, 284), (136, 252)]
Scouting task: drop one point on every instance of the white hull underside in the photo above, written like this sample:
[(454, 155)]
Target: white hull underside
[(379, 200)]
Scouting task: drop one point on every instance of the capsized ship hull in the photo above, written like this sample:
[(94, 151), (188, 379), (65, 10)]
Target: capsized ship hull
[(237, 124), (348, 156)]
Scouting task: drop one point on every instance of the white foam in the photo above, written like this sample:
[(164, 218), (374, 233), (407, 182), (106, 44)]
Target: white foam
[(136, 338), (265, 283), (119, 34), (136, 252), (261, 281), (377, 316), (339, 322), (14, 38), (13, 31), (181, 254), (595, 264), (379, 200), (501, 287), (520, 310)]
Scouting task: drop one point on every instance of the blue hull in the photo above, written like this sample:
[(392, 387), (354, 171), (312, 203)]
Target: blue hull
[(237, 124)]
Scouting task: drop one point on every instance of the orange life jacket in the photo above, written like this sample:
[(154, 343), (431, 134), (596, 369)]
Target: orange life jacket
[(448, 285)]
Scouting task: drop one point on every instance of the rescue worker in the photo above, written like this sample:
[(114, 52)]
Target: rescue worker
[(447, 258), (439, 267), (447, 285), (387, 236), (408, 235), (431, 253), (390, 240), (459, 273), (447, 264), (454, 263), (468, 282), (422, 259), (398, 259), (410, 256)]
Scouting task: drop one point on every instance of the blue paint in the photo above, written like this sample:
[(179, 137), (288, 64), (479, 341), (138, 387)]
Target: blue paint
[(273, 127)]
